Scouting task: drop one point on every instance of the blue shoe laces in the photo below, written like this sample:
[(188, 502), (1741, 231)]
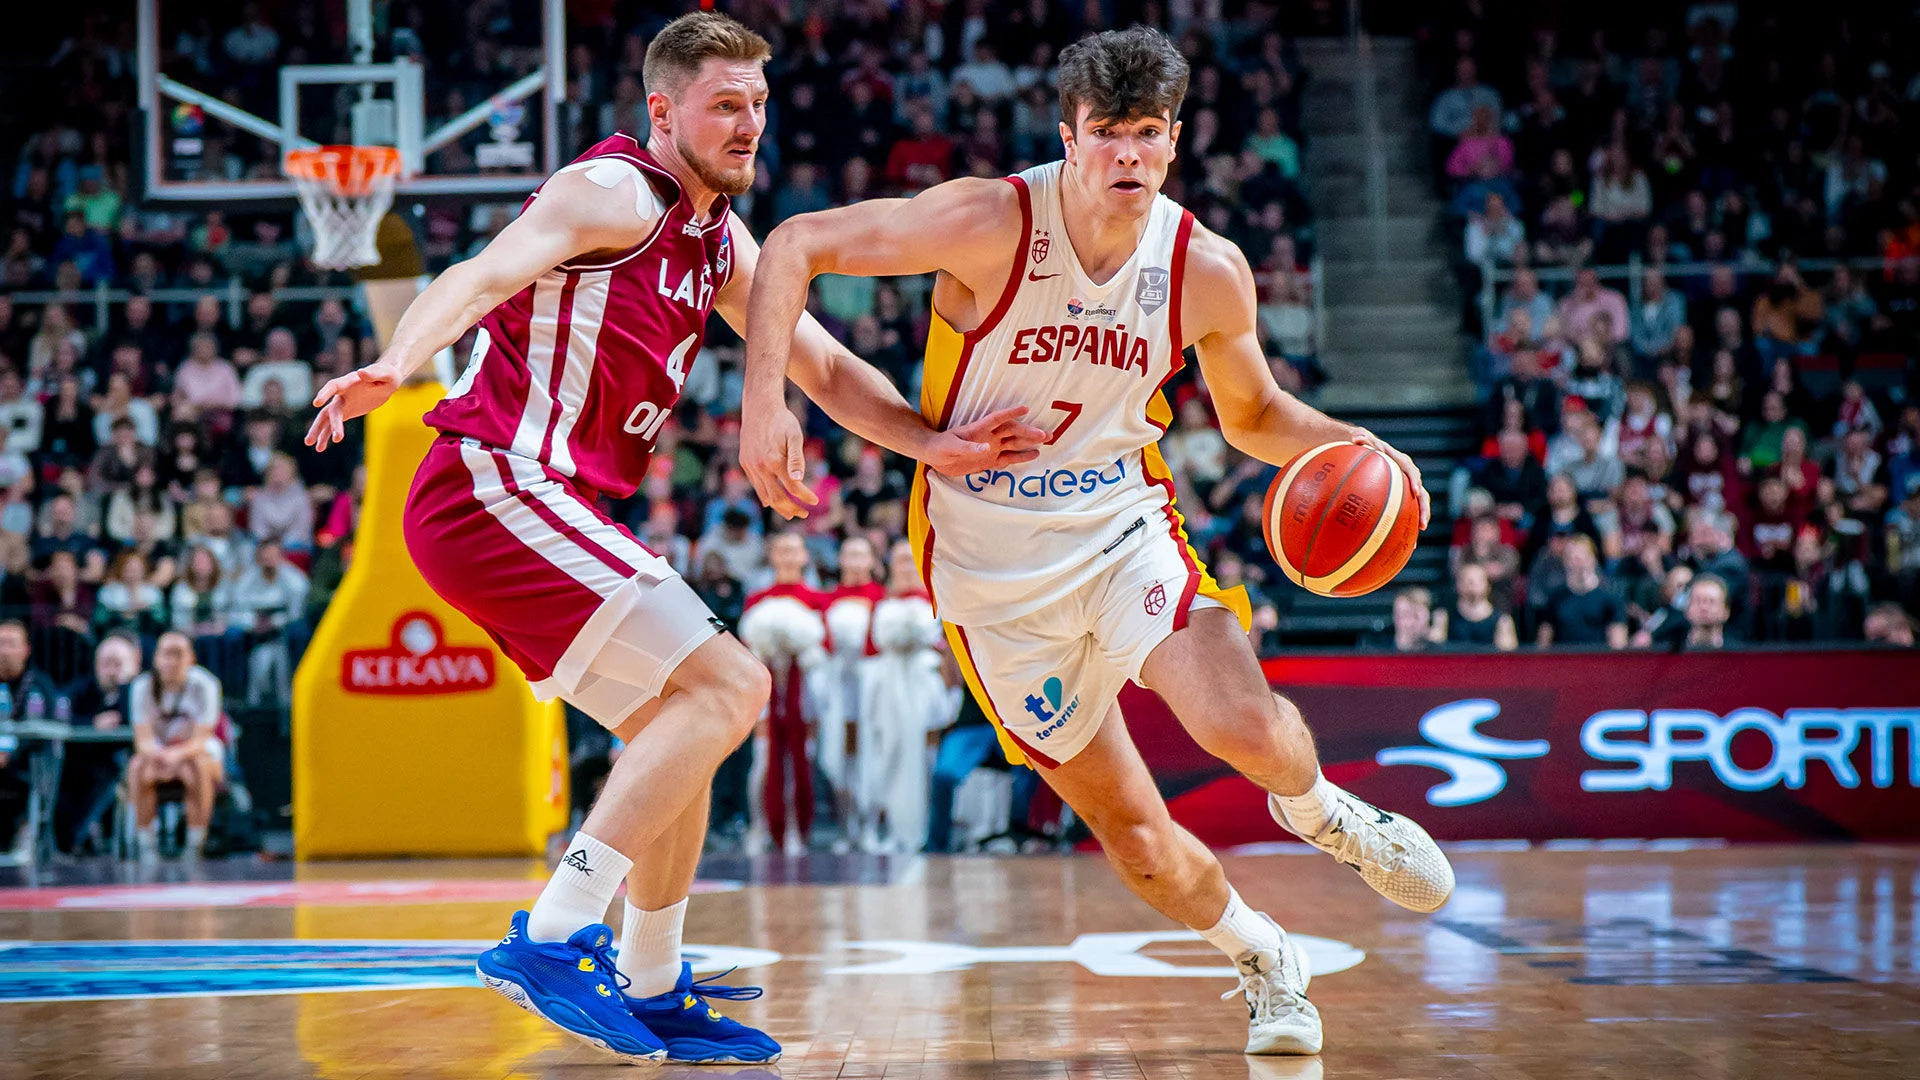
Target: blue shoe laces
[(603, 963), (709, 988)]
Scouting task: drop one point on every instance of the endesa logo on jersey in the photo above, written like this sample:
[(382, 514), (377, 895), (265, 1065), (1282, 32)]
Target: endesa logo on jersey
[(1049, 483), (1779, 750), (416, 662)]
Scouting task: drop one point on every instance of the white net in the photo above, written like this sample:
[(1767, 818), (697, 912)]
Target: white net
[(345, 191)]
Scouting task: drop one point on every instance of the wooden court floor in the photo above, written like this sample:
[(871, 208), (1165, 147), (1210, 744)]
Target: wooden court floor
[(1719, 963)]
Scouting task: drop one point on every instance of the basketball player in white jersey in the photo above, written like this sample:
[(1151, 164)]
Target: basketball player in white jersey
[(1071, 290), (582, 349)]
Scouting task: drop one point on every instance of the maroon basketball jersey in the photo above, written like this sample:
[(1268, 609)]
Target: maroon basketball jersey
[(580, 369)]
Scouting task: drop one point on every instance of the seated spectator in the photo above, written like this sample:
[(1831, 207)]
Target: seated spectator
[(1760, 442), (268, 600), (1660, 315), (176, 711), (1889, 625), (207, 383), (245, 466), (279, 364), (67, 437), (1524, 383), (30, 695), (1860, 477), (128, 602), (1495, 237), (1588, 299), (1525, 294), (1562, 239), (1516, 481), (1454, 110), (60, 529), (1287, 329), (1621, 204), (1642, 424), (1488, 548), (1707, 614), (1480, 144), (21, 417), (1584, 610), (145, 497), (1636, 531), (15, 573), (1786, 317), (1710, 550), (923, 157), (1473, 621), (1595, 472), (92, 770), (120, 403), (199, 604), (279, 510), (1852, 316), (1566, 515), (114, 465), (1856, 412)]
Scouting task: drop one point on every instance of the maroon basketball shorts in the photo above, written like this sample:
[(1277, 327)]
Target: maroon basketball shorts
[(587, 612)]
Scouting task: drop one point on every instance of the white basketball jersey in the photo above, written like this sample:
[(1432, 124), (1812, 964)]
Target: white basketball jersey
[(1087, 359)]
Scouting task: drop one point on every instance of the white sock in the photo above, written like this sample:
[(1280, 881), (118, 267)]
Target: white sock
[(148, 838), (1241, 929), (650, 949), (1307, 813), (580, 890), (196, 838)]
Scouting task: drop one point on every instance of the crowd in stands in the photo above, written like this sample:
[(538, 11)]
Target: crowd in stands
[(1725, 446)]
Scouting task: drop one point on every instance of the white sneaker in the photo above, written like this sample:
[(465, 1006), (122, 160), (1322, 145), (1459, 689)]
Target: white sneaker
[(1393, 855), (1280, 1019), (794, 847)]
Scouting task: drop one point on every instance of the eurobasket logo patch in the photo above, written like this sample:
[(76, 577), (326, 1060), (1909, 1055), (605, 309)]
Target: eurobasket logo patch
[(416, 661)]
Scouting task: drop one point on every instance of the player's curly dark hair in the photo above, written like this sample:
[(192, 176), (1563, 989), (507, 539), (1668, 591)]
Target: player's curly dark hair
[(1122, 75)]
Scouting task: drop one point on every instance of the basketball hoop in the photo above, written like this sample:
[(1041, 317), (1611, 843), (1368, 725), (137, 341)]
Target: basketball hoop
[(345, 191)]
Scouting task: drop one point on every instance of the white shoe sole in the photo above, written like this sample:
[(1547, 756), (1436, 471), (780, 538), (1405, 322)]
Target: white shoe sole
[(513, 992)]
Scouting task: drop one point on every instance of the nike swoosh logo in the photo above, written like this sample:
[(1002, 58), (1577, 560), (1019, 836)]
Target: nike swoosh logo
[(1031, 276)]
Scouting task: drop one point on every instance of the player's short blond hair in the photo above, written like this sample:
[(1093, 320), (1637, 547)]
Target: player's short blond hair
[(677, 51)]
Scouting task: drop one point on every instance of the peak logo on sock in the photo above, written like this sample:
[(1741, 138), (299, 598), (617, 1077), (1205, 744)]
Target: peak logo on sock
[(578, 860)]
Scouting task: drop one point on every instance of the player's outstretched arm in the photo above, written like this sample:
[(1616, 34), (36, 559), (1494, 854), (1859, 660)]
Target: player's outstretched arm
[(1257, 417), (863, 400), (577, 213), (959, 227)]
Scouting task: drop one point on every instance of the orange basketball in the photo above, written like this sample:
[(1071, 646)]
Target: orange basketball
[(1342, 519)]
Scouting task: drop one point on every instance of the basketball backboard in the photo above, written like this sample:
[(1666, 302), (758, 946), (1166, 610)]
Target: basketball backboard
[(217, 138)]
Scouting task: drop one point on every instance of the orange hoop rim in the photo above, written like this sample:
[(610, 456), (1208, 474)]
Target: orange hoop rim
[(346, 170)]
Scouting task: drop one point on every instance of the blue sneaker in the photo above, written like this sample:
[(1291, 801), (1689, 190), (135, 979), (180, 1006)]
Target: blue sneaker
[(695, 1032), (571, 984)]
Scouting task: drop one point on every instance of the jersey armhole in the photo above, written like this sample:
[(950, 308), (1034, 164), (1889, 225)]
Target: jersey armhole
[(1174, 330), (1012, 287)]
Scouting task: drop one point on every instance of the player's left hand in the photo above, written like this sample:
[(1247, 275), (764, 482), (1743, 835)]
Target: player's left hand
[(1370, 440), (994, 441)]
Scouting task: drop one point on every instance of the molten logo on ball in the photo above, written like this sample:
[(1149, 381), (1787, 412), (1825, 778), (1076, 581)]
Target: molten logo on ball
[(1341, 519)]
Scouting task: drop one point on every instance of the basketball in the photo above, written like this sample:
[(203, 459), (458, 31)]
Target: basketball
[(1341, 519)]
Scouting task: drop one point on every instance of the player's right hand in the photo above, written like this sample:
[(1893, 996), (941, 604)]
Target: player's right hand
[(354, 394), (773, 455)]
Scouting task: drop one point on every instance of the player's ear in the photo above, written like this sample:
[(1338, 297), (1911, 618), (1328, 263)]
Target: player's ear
[(660, 111), (1066, 139), (1173, 141)]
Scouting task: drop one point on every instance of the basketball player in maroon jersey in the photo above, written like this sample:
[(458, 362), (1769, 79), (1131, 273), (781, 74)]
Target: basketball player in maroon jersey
[(591, 306)]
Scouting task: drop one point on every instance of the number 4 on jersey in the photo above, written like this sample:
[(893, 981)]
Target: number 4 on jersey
[(647, 418)]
